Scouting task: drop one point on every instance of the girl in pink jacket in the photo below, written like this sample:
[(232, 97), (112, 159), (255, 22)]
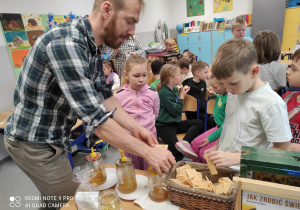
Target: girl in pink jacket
[(138, 100)]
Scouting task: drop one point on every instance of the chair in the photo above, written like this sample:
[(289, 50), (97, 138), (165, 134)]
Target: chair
[(80, 142), (211, 106)]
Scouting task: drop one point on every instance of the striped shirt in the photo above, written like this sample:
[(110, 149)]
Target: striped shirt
[(61, 80)]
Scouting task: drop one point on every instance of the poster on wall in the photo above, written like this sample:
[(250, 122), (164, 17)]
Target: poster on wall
[(16, 39), (32, 22), (18, 57), (33, 35), (194, 7), (11, 22), (222, 5)]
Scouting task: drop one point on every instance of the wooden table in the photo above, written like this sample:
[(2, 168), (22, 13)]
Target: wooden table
[(126, 205)]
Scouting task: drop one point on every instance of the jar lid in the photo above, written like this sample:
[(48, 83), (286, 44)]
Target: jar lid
[(120, 163), (90, 158)]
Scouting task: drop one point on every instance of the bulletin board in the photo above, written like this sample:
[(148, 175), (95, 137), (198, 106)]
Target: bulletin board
[(256, 194), (20, 33), (222, 5), (194, 7)]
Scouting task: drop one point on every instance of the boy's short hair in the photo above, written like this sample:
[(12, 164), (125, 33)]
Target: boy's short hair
[(198, 66), (268, 47), (183, 63), (235, 55), (156, 66), (296, 55), (238, 22), (169, 41)]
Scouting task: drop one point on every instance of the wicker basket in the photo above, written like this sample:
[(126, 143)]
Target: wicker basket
[(190, 198)]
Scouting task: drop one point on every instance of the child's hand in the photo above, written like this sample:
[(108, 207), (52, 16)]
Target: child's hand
[(174, 59), (213, 148), (210, 91), (224, 159), (203, 142), (184, 91)]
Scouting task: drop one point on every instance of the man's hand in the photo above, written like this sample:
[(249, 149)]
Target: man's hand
[(203, 142), (146, 136), (160, 159), (224, 159)]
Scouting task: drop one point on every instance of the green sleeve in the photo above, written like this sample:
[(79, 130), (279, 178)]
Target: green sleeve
[(215, 135), (173, 107), (212, 97)]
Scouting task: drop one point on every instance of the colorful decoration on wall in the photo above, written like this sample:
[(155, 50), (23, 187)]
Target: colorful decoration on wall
[(194, 7), (32, 22), (71, 16), (51, 22), (222, 5), (18, 57), (33, 35), (22, 30), (11, 22), (16, 39)]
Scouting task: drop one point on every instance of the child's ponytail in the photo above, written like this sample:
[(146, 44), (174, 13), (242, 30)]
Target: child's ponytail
[(167, 72)]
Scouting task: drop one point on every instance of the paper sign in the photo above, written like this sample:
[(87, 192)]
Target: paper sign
[(252, 200)]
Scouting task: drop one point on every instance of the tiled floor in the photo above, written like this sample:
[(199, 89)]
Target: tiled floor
[(14, 183)]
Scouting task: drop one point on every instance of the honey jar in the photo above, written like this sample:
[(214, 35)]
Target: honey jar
[(158, 191), (109, 200), (96, 162), (126, 174)]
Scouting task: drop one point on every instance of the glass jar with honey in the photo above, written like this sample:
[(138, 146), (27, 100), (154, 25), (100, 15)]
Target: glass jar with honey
[(109, 200), (126, 174), (158, 186), (96, 162)]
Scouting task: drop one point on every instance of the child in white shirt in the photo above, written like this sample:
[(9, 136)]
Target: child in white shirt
[(255, 115)]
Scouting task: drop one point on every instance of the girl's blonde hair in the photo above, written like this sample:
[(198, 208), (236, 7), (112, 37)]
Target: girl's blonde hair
[(129, 63), (167, 72), (110, 64)]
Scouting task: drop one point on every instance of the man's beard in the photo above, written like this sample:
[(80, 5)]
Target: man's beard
[(110, 38)]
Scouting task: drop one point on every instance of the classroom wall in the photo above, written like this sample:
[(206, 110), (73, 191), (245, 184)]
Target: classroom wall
[(170, 11), (178, 12)]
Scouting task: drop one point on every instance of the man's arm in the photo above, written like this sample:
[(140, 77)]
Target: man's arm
[(114, 134), (127, 122)]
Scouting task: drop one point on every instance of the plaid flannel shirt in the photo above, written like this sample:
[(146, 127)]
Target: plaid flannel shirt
[(130, 45), (61, 80)]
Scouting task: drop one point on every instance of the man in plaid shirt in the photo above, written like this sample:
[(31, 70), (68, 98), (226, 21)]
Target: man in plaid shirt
[(130, 47), (62, 80)]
